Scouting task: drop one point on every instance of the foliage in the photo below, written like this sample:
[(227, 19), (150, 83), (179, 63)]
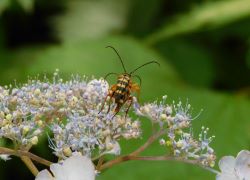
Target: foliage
[(27, 5), (203, 49)]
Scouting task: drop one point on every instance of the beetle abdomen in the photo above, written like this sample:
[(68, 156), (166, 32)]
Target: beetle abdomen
[(122, 89)]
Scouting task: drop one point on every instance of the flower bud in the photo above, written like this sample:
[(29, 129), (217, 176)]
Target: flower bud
[(34, 140), (74, 98), (211, 164), (67, 151), (162, 142), (37, 92), (39, 123), (9, 117), (163, 117), (25, 130), (109, 146), (145, 109), (168, 143), (179, 144), (179, 131), (37, 132)]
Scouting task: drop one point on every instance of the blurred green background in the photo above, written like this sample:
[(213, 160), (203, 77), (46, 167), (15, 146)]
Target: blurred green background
[(203, 47)]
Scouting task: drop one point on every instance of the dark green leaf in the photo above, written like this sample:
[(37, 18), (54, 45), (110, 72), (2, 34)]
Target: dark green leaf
[(205, 16)]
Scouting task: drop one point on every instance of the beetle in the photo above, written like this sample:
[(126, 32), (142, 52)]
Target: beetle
[(120, 92)]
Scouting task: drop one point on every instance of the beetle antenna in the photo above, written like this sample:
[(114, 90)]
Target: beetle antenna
[(109, 75), (138, 78), (118, 56), (144, 65)]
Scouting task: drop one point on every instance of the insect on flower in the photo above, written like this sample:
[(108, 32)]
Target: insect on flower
[(120, 92)]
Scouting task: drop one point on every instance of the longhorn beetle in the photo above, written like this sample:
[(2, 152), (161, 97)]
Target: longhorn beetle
[(120, 92)]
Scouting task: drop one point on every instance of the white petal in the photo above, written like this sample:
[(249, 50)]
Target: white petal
[(76, 167), (226, 177), (44, 175), (58, 171), (243, 164), (5, 157), (79, 168), (227, 164)]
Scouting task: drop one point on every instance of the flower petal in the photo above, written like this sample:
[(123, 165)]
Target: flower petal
[(44, 175), (225, 176), (79, 168), (227, 164), (5, 157), (243, 164), (58, 171)]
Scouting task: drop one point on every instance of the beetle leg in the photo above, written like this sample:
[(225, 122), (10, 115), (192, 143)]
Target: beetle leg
[(131, 101), (117, 109), (110, 94), (109, 104), (103, 104)]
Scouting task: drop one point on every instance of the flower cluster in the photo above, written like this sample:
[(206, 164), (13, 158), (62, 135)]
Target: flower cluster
[(86, 132), (176, 121), (87, 129), (70, 109), (19, 120)]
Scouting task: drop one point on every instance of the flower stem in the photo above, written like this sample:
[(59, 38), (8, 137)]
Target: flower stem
[(153, 158), (134, 156), (100, 162), (27, 161), (21, 153), (150, 140)]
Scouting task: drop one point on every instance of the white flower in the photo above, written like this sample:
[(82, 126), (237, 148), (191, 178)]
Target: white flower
[(5, 157), (76, 167), (235, 168)]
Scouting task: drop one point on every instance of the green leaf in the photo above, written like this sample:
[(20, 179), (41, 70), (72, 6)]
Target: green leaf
[(193, 62), (90, 57), (208, 15), (3, 5), (27, 5), (139, 22), (13, 64), (248, 58)]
